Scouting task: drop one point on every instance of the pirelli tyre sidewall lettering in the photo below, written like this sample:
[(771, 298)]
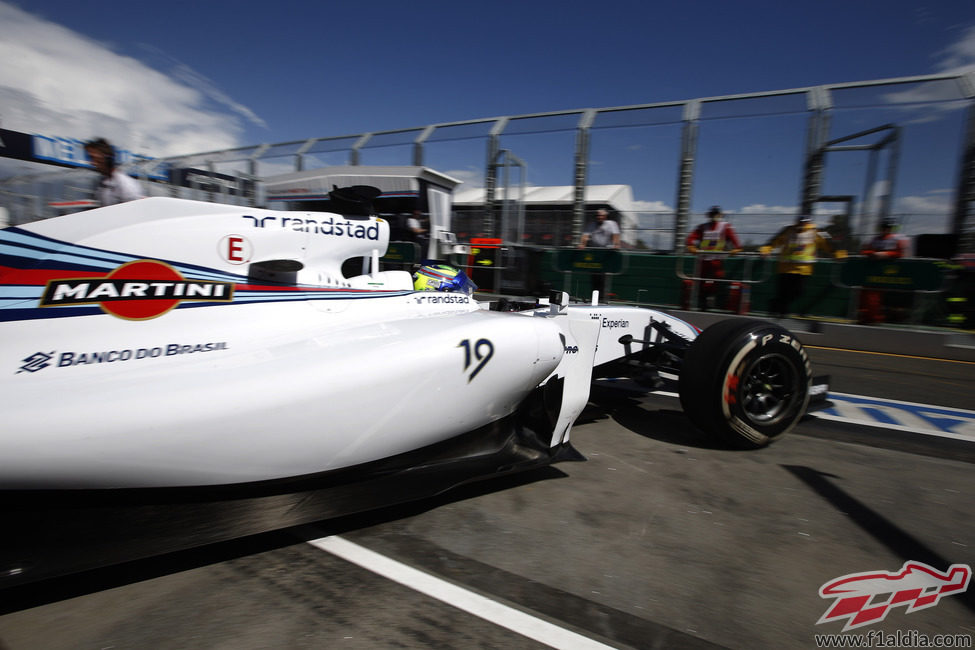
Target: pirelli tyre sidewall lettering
[(747, 382)]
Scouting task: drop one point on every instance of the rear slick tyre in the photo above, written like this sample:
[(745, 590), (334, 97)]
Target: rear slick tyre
[(745, 382)]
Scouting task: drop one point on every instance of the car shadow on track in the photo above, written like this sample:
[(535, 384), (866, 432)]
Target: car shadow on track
[(636, 413), (86, 550), (897, 539)]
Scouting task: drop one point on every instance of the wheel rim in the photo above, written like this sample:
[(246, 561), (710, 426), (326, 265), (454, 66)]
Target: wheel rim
[(770, 388)]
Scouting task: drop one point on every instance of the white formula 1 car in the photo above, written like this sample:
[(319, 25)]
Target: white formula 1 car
[(166, 343)]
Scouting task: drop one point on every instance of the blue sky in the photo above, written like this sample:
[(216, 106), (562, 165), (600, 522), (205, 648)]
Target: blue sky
[(329, 68), (178, 77)]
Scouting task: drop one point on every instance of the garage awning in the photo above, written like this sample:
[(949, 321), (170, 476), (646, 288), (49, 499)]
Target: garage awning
[(619, 197), (315, 184)]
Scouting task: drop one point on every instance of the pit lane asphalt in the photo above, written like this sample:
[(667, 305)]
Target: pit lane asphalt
[(660, 539)]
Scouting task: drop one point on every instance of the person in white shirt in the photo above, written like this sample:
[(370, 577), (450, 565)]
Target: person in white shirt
[(605, 233), (114, 186)]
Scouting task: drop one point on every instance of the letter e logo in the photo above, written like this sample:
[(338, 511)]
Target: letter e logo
[(235, 249)]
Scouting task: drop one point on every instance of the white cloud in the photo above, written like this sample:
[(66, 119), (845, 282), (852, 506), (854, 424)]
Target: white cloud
[(761, 208), (960, 55), (928, 102), (469, 178), (651, 206), (937, 202), (194, 79), (57, 82)]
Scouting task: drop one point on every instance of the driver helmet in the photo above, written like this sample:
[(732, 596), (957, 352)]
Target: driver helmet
[(441, 277)]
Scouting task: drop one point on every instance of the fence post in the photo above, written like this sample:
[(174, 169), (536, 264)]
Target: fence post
[(819, 101), (491, 175), (581, 168), (964, 219), (685, 179)]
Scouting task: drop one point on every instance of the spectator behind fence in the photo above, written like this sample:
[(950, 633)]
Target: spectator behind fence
[(878, 305), (114, 186), (415, 232), (887, 244), (710, 239), (604, 233), (797, 244)]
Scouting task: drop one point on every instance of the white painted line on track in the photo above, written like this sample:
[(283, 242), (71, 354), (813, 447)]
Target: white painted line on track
[(894, 415), (891, 427), (449, 593), (902, 403)]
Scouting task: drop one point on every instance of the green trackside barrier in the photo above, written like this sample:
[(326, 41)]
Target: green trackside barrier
[(400, 255), (822, 298), (831, 291), (914, 286), (650, 278), (590, 260), (577, 266), (634, 277), (899, 275)]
